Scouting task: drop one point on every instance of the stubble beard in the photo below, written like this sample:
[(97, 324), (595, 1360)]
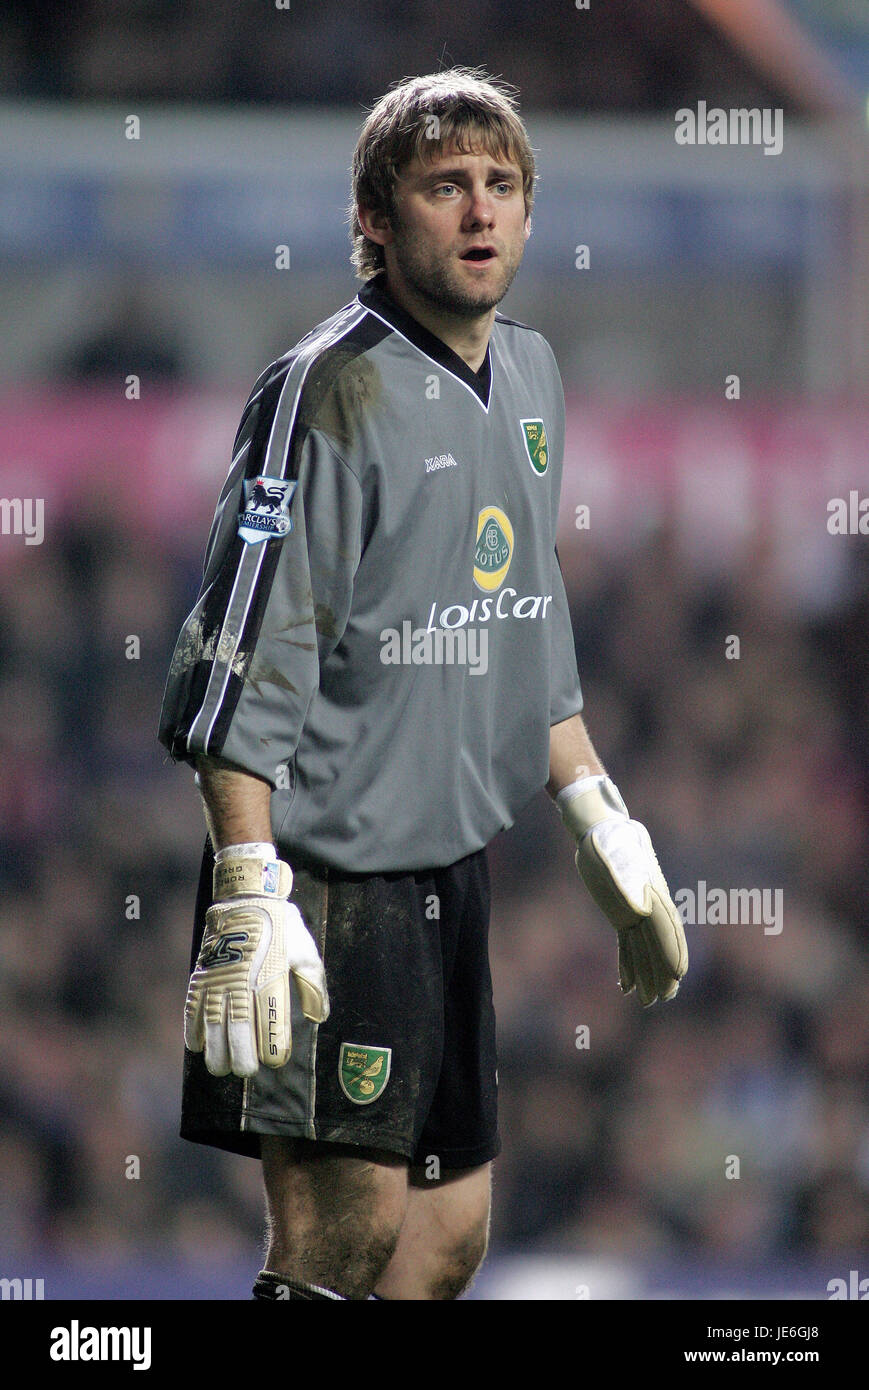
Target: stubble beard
[(434, 281)]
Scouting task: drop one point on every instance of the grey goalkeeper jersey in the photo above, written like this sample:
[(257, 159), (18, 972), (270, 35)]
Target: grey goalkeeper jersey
[(382, 631)]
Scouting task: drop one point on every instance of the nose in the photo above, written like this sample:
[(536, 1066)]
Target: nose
[(481, 208)]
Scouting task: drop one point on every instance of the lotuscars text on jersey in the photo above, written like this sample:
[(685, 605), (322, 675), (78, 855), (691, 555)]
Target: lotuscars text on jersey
[(481, 610)]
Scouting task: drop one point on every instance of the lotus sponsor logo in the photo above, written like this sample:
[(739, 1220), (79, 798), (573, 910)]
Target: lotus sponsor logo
[(493, 555), (508, 604), (494, 549)]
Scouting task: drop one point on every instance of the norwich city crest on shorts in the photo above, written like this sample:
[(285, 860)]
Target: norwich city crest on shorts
[(534, 435), (363, 1071)]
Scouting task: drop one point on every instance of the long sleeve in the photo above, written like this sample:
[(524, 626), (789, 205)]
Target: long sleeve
[(270, 611)]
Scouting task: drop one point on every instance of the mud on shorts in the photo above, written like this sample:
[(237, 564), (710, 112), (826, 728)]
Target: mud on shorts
[(406, 1060)]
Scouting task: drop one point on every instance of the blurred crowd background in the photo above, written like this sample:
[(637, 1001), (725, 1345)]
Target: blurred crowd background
[(156, 258), (637, 54)]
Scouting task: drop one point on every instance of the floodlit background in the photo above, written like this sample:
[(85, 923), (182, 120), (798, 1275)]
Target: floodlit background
[(715, 357)]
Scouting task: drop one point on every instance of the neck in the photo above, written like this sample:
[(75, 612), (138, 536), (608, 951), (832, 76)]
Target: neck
[(468, 337)]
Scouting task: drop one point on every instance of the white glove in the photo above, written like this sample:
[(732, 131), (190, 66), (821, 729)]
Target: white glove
[(238, 1001), (618, 866)]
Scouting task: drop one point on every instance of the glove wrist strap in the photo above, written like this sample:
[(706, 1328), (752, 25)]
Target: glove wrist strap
[(587, 802), (253, 849), (250, 870)]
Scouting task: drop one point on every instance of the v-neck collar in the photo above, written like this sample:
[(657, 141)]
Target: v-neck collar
[(374, 297)]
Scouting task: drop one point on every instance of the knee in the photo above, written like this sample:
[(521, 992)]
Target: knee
[(358, 1251), (459, 1261), (346, 1251), (444, 1238), (334, 1223)]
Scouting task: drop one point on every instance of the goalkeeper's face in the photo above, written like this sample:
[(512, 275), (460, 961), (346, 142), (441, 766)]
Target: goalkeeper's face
[(457, 230)]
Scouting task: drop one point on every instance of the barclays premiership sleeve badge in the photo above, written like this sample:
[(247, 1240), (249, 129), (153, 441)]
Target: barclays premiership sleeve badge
[(266, 514)]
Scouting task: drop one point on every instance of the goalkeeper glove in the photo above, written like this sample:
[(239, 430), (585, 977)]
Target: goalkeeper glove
[(238, 1001), (616, 862)]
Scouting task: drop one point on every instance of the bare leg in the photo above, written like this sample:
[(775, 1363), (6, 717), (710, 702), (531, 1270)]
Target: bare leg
[(443, 1238), (334, 1216)]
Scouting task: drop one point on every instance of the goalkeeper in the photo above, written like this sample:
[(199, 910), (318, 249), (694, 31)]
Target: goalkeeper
[(377, 676)]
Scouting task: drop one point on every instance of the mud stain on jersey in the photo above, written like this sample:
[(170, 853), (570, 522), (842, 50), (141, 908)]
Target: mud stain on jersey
[(295, 641), (261, 674), (192, 647), (325, 621), (339, 397)]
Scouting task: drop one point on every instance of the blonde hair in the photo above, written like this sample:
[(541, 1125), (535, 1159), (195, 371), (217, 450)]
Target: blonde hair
[(418, 117)]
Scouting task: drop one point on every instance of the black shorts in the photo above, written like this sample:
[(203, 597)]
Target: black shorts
[(406, 1060)]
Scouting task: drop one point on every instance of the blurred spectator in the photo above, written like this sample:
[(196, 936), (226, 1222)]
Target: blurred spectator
[(641, 54), (128, 342)]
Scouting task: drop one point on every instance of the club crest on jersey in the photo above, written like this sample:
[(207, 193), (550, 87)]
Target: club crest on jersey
[(266, 514), (494, 549), (363, 1071), (534, 435)]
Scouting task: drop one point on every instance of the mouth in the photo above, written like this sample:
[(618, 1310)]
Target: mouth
[(479, 255)]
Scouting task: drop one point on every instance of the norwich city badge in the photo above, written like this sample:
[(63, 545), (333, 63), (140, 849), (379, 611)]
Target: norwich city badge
[(534, 435), (363, 1071)]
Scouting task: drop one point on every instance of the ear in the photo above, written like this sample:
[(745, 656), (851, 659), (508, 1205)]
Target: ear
[(375, 225), (527, 226)]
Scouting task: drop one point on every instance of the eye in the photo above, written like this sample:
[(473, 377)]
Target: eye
[(504, 186), (446, 188)]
